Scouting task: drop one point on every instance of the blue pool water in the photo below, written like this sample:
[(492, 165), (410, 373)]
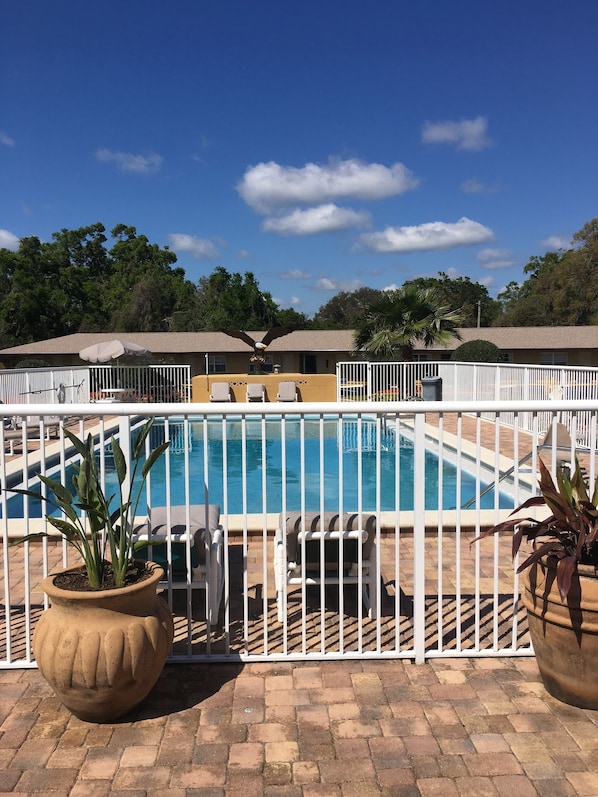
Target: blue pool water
[(338, 438)]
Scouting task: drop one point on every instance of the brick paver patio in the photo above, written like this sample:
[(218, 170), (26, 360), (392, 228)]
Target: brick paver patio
[(451, 727)]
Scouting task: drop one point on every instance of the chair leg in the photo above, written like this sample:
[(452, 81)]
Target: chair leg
[(279, 568), (372, 598), (372, 584), (216, 579)]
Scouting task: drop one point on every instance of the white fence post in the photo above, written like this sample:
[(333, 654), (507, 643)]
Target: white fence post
[(419, 538)]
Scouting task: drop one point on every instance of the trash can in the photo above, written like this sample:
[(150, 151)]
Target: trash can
[(432, 388)]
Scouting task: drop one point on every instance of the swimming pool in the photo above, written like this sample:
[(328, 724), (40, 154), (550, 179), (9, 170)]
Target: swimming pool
[(348, 449), (348, 455)]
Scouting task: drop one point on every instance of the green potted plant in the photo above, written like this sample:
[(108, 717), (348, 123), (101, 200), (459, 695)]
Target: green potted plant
[(561, 585), (103, 642)]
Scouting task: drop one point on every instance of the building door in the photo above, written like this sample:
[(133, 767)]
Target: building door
[(309, 364)]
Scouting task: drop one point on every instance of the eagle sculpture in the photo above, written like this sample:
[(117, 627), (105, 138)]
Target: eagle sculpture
[(258, 346)]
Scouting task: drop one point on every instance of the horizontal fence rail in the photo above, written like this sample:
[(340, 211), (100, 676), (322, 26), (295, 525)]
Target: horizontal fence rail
[(340, 531)]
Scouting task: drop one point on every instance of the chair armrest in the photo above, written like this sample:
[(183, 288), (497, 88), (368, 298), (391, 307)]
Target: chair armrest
[(354, 534)]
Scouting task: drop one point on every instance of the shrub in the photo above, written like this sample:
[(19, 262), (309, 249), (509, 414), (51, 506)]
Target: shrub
[(478, 351)]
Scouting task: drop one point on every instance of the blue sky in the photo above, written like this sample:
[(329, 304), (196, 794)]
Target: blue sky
[(320, 145)]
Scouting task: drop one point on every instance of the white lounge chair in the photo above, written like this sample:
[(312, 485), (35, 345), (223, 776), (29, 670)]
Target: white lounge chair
[(256, 392), (189, 537), (220, 391), (13, 435), (297, 549), (287, 391)]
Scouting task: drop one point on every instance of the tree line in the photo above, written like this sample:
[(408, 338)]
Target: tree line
[(82, 282)]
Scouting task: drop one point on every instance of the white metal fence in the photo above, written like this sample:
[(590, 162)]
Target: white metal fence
[(81, 384), (405, 582), (152, 383), (45, 385), (383, 381)]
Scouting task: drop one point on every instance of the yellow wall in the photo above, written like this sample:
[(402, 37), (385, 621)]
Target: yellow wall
[(310, 387)]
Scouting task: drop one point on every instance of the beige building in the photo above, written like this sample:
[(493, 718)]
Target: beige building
[(311, 351), (531, 345), (302, 351)]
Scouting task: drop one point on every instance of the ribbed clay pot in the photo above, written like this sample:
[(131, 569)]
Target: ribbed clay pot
[(565, 635), (102, 652)]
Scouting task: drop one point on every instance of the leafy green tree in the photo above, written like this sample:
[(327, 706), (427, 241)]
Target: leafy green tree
[(233, 300), (478, 351), (560, 288), (289, 317), (85, 268), (138, 269), (471, 298), (347, 309), (577, 285), (33, 305), (508, 297), (532, 302), (395, 323)]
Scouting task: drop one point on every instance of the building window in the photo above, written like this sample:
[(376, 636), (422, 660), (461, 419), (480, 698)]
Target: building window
[(553, 358), (216, 364)]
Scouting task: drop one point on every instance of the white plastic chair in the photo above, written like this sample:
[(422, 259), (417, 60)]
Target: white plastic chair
[(197, 528), (256, 392), (297, 547), (220, 391), (287, 391)]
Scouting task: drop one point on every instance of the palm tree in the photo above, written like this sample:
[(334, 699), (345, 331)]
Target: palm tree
[(392, 326)]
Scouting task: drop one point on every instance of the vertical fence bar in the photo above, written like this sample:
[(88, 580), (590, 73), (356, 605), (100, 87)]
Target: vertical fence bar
[(419, 538)]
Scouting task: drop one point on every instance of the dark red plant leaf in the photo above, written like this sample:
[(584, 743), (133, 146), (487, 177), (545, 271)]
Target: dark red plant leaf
[(564, 572)]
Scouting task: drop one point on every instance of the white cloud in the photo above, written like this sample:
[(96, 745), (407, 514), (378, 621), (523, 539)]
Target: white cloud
[(8, 241), (295, 301), (433, 235), (467, 134), (324, 218), (242, 253), (199, 247), (128, 162), (556, 242), (494, 259), (328, 284), (268, 185), (6, 140), (475, 186), (295, 274)]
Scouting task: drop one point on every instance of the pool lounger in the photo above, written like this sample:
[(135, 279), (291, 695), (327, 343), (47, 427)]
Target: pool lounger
[(14, 437)]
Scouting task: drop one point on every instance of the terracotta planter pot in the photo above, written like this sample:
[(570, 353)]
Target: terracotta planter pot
[(102, 652), (565, 635)]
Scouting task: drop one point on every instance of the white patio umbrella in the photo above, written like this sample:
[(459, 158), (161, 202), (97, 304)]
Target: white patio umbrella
[(109, 350)]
